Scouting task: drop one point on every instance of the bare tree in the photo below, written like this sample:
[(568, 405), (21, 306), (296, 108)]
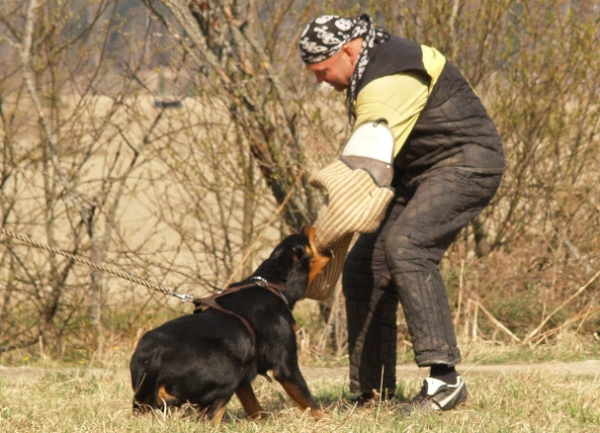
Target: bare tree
[(221, 36), (56, 129), (174, 140)]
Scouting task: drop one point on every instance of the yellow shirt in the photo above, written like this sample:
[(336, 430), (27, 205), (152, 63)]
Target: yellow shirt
[(399, 98)]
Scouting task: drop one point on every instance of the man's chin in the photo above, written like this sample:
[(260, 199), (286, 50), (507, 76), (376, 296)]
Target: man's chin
[(339, 87)]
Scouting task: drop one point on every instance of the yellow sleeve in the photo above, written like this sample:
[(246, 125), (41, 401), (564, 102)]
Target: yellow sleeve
[(434, 63), (398, 98)]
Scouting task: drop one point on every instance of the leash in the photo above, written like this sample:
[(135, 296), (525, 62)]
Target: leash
[(200, 303), (183, 297)]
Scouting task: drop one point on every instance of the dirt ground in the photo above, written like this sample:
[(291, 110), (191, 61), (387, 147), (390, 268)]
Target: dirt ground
[(590, 368), (316, 374)]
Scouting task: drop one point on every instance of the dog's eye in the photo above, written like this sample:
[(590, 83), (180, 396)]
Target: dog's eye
[(298, 252)]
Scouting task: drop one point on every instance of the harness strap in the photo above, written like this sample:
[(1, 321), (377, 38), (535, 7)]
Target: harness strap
[(210, 302)]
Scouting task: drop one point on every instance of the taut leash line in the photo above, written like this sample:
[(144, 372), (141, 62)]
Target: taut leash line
[(183, 297)]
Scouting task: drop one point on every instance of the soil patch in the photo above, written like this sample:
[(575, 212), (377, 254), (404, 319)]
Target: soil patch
[(315, 374), (588, 368)]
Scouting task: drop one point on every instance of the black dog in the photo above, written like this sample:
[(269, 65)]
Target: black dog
[(205, 358)]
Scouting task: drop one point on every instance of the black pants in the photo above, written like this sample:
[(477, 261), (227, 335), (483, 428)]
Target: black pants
[(400, 262)]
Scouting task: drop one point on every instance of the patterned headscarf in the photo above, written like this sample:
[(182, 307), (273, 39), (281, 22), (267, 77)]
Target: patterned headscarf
[(327, 34)]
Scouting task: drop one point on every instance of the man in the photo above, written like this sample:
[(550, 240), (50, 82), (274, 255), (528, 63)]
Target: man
[(447, 165)]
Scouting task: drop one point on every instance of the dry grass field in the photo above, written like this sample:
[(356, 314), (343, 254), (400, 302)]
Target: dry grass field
[(541, 395)]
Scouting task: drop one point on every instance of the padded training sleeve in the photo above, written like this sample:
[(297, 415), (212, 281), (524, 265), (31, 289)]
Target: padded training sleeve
[(354, 203)]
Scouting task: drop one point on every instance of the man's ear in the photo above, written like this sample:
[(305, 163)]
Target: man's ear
[(348, 51), (352, 49)]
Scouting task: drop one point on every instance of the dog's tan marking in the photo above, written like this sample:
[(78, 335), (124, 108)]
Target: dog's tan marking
[(299, 399), (163, 398), (249, 401), (319, 260), (218, 411)]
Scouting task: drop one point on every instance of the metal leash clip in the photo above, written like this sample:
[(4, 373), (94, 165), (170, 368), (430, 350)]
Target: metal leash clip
[(183, 297)]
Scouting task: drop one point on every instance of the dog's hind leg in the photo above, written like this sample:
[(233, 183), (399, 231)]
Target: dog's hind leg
[(250, 403), (216, 411), (164, 399), (144, 395), (295, 386)]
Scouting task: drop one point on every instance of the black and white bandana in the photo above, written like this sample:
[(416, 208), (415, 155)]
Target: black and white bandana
[(327, 34)]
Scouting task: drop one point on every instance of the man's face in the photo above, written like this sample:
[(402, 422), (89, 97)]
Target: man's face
[(336, 70)]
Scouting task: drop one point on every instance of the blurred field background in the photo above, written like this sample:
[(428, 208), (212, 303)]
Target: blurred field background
[(174, 141)]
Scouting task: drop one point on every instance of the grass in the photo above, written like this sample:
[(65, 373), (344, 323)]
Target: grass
[(567, 347), (50, 397)]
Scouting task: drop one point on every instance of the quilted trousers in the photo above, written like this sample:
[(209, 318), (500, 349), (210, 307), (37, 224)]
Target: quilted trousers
[(399, 263)]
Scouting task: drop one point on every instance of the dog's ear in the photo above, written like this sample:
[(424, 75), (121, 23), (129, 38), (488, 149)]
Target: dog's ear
[(318, 260)]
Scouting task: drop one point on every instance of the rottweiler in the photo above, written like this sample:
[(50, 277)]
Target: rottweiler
[(204, 358)]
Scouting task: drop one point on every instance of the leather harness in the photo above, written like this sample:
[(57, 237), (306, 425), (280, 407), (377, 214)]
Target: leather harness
[(203, 304)]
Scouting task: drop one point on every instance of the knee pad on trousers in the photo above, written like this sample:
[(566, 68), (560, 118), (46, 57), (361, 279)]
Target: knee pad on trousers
[(427, 311)]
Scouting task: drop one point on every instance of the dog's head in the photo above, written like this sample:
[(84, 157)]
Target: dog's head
[(294, 263)]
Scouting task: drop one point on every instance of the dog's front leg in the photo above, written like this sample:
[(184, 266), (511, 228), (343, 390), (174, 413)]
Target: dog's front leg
[(250, 403), (294, 384)]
